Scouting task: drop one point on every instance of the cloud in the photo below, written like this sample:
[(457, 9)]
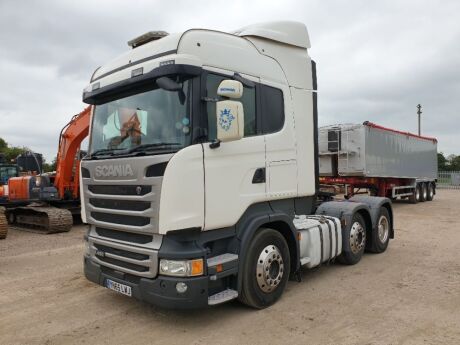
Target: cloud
[(376, 60)]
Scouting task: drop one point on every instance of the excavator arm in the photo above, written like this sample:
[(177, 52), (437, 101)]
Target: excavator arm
[(67, 162)]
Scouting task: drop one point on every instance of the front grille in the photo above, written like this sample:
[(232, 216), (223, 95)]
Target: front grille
[(139, 261), (120, 219), (124, 236), (124, 264), (119, 189), (120, 252), (126, 205)]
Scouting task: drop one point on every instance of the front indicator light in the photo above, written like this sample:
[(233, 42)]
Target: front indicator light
[(196, 267)]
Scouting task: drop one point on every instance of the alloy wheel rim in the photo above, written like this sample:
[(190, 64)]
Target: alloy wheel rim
[(357, 237), (383, 229), (270, 268)]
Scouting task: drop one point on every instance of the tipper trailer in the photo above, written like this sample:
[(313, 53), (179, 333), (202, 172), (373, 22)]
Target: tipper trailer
[(201, 181), (385, 162)]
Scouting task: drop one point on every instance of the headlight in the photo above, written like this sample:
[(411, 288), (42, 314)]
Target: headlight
[(181, 268)]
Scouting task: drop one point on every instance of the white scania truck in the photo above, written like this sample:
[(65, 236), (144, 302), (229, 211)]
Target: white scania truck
[(201, 181)]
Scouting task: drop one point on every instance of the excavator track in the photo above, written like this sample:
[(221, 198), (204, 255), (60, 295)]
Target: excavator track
[(3, 224), (42, 219)]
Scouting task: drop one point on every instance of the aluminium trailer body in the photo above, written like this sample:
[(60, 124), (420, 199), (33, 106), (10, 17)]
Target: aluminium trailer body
[(384, 161)]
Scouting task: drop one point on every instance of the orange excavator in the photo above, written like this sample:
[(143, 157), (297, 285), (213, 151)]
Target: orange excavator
[(46, 202)]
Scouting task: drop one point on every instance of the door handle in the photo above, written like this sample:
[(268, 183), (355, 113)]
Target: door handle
[(259, 176)]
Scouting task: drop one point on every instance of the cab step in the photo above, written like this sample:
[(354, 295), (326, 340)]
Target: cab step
[(223, 296)]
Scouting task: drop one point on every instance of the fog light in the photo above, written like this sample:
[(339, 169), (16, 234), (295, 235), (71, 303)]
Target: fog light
[(181, 287)]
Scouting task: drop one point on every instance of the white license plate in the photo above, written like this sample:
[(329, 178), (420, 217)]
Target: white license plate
[(121, 288)]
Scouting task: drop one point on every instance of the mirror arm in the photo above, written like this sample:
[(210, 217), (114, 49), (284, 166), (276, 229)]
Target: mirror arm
[(246, 82), (215, 144)]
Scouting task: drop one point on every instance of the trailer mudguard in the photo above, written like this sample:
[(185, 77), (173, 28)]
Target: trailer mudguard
[(375, 203)]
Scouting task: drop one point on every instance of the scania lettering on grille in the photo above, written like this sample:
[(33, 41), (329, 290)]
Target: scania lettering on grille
[(121, 170)]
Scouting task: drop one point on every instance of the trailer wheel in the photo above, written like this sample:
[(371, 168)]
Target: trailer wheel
[(418, 192), (430, 194), (353, 241), (424, 192), (413, 199), (381, 235), (266, 269)]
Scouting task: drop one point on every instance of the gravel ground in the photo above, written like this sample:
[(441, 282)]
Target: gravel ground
[(408, 295)]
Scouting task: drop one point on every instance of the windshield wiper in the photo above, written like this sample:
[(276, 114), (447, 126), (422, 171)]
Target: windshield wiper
[(108, 152), (150, 146)]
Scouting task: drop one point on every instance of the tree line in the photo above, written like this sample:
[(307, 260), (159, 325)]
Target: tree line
[(10, 153), (449, 163)]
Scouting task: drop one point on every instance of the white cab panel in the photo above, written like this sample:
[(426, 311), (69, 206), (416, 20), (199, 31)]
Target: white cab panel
[(281, 153), (304, 128), (182, 191), (229, 170), (229, 52)]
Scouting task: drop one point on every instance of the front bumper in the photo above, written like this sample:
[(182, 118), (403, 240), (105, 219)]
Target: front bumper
[(160, 291)]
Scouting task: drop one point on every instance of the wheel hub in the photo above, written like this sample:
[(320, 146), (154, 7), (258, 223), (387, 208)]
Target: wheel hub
[(357, 237), (383, 229), (270, 268)]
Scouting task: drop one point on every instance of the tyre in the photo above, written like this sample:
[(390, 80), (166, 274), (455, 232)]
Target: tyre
[(353, 241), (266, 269), (430, 194), (424, 192), (413, 199), (418, 192), (381, 236)]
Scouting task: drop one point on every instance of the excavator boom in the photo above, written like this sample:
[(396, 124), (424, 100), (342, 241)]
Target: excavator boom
[(67, 162)]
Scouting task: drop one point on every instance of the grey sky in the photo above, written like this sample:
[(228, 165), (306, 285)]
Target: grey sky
[(376, 59)]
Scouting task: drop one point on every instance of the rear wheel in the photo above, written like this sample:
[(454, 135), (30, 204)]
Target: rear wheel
[(430, 194), (424, 192), (353, 241), (381, 237), (265, 270)]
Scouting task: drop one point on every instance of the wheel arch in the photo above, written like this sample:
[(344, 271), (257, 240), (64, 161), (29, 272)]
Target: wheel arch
[(277, 221), (374, 204)]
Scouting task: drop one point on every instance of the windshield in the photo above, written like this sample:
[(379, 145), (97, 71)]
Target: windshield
[(6, 172), (154, 121)]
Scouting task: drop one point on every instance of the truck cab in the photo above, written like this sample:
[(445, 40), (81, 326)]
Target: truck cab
[(200, 184)]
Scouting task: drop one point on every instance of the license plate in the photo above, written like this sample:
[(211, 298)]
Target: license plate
[(120, 288)]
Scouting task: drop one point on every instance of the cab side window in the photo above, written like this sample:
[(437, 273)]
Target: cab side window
[(249, 105), (272, 109)]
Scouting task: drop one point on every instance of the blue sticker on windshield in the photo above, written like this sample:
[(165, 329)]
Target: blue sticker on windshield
[(185, 121)]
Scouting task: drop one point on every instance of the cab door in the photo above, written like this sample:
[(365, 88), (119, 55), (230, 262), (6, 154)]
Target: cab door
[(234, 171)]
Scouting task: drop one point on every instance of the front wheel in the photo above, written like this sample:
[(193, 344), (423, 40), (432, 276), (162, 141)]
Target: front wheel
[(353, 241), (266, 269)]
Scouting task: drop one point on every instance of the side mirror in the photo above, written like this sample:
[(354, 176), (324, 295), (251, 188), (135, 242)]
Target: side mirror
[(230, 120)]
